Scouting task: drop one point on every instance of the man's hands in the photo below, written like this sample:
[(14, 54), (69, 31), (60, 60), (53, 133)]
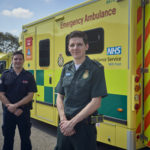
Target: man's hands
[(13, 109), (67, 128), (18, 112)]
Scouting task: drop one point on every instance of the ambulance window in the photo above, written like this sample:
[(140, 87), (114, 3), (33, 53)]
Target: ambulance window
[(44, 52), (95, 39)]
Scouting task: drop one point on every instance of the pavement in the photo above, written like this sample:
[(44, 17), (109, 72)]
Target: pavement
[(43, 136)]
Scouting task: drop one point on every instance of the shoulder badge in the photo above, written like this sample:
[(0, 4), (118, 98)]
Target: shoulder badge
[(86, 74), (6, 71)]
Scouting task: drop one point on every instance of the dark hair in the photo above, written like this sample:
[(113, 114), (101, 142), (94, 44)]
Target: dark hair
[(79, 34), (18, 53)]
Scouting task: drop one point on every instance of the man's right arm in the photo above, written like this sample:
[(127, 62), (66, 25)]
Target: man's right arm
[(60, 107), (63, 119), (4, 99)]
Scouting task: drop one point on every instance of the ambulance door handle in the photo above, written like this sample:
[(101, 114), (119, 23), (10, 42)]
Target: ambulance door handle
[(50, 79)]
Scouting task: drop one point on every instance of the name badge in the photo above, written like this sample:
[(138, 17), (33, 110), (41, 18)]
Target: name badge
[(68, 74), (24, 81)]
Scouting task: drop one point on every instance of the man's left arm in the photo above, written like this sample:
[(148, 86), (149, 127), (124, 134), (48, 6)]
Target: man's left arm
[(89, 109), (23, 101)]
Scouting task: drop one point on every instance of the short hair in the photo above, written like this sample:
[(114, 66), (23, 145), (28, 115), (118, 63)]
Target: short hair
[(80, 34), (17, 53)]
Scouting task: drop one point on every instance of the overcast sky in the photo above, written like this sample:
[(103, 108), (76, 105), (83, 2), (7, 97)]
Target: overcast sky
[(15, 13)]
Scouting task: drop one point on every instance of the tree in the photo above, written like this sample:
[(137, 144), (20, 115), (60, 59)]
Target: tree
[(8, 42)]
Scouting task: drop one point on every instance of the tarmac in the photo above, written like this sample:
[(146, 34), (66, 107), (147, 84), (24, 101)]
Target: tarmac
[(43, 136)]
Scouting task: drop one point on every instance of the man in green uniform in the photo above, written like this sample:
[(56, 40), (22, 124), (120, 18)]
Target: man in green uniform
[(80, 89)]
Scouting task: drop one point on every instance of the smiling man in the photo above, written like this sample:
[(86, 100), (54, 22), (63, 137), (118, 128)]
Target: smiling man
[(17, 88), (80, 89)]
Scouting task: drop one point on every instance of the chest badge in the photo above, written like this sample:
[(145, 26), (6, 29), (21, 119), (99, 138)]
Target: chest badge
[(24, 81), (68, 74), (86, 74)]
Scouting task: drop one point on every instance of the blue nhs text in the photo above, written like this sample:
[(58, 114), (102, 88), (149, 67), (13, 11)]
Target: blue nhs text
[(114, 50)]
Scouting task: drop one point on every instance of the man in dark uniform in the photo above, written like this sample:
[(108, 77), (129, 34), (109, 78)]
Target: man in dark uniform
[(17, 87), (80, 89)]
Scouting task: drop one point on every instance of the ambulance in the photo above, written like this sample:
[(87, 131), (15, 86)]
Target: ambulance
[(119, 38), (5, 61)]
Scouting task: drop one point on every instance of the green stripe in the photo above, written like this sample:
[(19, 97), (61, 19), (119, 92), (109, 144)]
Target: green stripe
[(55, 96), (111, 103), (32, 71), (40, 77), (48, 95)]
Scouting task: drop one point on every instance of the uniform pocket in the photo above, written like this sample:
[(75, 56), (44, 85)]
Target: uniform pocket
[(82, 83), (66, 81)]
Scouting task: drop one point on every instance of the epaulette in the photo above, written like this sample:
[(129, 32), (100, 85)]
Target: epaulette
[(97, 63), (68, 63)]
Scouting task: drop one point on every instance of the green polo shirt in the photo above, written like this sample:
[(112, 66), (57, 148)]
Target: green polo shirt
[(80, 86)]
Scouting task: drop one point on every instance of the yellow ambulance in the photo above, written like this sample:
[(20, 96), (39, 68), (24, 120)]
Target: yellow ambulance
[(119, 38), (5, 61)]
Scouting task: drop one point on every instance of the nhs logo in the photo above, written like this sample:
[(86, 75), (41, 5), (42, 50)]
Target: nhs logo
[(114, 50)]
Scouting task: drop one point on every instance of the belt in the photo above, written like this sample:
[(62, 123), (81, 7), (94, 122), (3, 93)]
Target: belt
[(90, 120), (96, 119)]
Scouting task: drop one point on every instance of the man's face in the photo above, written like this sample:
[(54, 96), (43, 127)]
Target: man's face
[(77, 48), (18, 61)]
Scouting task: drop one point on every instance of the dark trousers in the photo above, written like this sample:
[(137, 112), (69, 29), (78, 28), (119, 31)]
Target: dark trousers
[(9, 125), (83, 139)]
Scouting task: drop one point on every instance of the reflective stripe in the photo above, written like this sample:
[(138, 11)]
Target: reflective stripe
[(147, 76), (139, 65)]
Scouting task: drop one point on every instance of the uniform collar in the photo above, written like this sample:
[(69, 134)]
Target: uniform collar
[(72, 66), (12, 70), (84, 65)]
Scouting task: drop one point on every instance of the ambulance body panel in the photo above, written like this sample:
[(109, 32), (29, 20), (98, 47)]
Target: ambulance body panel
[(5, 61)]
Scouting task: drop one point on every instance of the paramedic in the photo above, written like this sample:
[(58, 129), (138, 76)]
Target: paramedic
[(80, 90)]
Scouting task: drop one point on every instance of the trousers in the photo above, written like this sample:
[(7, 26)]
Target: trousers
[(10, 121), (83, 139)]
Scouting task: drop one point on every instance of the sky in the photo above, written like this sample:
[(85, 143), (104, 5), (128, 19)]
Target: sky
[(15, 13)]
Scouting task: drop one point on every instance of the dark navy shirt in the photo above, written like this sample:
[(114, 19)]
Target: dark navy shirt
[(80, 86), (16, 86)]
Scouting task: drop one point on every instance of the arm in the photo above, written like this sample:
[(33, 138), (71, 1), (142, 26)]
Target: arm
[(4, 99), (67, 126), (87, 111), (5, 102), (60, 107), (25, 100)]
